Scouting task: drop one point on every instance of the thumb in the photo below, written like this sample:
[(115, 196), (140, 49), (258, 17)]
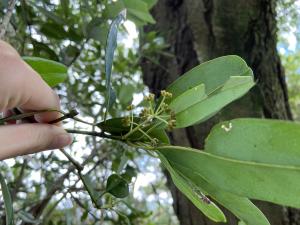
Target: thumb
[(22, 139)]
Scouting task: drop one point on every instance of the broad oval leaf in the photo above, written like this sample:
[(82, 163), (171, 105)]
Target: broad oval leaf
[(263, 141), (188, 99), (210, 210), (268, 182), (9, 212), (52, 72), (117, 186), (204, 107), (242, 207), (213, 74), (204, 90)]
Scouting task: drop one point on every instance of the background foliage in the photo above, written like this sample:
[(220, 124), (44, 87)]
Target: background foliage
[(74, 33)]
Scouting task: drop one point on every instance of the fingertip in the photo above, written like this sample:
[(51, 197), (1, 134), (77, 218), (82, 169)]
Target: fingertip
[(61, 141), (50, 116)]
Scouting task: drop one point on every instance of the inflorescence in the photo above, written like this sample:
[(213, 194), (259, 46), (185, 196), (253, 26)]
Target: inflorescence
[(150, 117)]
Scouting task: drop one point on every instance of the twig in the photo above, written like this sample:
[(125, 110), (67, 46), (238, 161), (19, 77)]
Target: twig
[(78, 166), (93, 133), (23, 116), (6, 18), (71, 114), (38, 208), (18, 181)]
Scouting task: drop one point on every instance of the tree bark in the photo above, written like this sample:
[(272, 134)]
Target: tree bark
[(199, 30)]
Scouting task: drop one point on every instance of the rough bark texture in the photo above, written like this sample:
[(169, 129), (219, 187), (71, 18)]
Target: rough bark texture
[(199, 30)]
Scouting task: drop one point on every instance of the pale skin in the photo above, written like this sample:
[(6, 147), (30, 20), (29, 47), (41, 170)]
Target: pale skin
[(21, 87)]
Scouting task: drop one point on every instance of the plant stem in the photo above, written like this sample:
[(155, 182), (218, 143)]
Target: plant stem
[(77, 165), (157, 111), (136, 128), (145, 134), (71, 114), (6, 18), (94, 133), (162, 120), (25, 115)]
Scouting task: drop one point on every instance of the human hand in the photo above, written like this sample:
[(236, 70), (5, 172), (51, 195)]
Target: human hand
[(21, 87)]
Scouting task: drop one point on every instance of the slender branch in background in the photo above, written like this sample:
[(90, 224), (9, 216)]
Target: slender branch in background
[(18, 180), (38, 208), (52, 208), (6, 18), (77, 165)]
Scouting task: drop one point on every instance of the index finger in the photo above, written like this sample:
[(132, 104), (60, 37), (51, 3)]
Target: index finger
[(22, 87)]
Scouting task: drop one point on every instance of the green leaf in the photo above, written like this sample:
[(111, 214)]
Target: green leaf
[(51, 15), (109, 56), (52, 72), (213, 74), (69, 54), (150, 3), (129, 173), (54, 30), (202, 107), (262, 141), (242, 207), (211, 210), (9, 211), (117, 186), (268, 182), (116, 127), (138, 11), (44, 51), (206, 89), (90, 187), (160, 134), (28, 218), (188, 99), (242, 223), (125, 94), (65, 6), (97, 29)]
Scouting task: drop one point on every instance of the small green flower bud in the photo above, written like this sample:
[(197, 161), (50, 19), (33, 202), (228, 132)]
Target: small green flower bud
[(126, 121), (171, 124), (154, 142), (145, 113), (150, 97), (173, 115), (166, 94), (130, 107)]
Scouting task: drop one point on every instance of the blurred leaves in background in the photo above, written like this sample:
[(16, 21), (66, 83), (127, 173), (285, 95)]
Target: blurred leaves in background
[(129, 185)]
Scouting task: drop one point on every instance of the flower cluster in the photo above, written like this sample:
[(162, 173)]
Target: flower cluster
[(160, 113)]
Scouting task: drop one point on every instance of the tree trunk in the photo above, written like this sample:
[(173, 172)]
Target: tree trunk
[(199, 30)]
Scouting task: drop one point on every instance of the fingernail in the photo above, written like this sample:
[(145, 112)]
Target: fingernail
[(61, 141)]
